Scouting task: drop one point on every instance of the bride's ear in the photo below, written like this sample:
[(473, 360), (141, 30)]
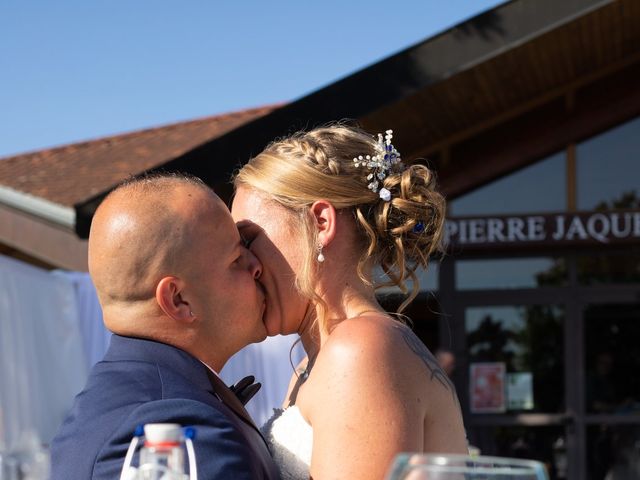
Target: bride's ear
[(324, 216)]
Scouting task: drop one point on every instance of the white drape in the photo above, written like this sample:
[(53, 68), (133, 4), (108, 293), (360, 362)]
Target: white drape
[(41, 357), (95, 337), (51, 333), (269, 363)]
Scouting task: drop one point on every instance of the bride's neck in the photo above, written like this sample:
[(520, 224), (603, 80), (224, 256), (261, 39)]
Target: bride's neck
[(345, 297)]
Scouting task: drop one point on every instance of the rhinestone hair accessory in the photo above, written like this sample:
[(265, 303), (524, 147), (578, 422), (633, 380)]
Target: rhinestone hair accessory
[(380, 164), (418, 227)]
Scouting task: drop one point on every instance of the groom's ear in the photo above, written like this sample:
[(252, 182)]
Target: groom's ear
[(170, 298), (325, 218)]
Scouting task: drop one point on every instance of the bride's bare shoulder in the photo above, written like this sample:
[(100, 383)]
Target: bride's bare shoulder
[(372, 331), (367, 341), (374, 343)]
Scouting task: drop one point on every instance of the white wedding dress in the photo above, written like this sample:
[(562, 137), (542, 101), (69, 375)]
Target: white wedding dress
[(290, 439)]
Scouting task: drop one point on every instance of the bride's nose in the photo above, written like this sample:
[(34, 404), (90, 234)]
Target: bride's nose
[(254, 265)]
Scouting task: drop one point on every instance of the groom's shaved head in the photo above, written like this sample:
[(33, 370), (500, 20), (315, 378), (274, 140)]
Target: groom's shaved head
[(169, 265), (141, 232)]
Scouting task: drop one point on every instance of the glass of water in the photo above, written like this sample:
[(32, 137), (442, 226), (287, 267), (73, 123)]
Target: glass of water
[(418, 466)]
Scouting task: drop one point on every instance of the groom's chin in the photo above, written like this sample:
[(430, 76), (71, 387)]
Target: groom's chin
[(260, 339)]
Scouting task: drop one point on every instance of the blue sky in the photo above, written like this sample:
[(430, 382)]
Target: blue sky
[(74, 70)]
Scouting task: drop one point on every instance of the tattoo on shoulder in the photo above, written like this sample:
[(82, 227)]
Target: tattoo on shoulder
[(420, 349)]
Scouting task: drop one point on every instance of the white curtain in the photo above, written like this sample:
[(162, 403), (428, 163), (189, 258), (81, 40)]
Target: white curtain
[(51, 334), (95, 337), (42, 363), (269, 362)]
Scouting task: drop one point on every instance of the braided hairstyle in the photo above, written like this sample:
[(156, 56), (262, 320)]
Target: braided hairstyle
[(399, 235)]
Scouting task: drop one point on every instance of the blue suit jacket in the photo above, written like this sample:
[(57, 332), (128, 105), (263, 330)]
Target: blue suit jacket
[(141, 381)]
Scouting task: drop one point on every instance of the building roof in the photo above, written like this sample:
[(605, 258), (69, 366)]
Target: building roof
[(475, 78), (481, 99), (39, 191), (74, 173)]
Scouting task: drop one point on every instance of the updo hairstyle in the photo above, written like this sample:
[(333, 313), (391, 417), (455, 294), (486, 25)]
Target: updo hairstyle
[(398, 235)]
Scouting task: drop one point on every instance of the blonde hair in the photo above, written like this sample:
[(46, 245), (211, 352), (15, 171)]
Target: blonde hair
[(307, 166)]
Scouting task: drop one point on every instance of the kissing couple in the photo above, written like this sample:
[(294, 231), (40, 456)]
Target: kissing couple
[(184, 284)]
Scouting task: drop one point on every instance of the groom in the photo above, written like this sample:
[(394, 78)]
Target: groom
[(179, 291)]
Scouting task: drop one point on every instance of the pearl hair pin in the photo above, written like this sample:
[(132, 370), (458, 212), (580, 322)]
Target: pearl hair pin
[(380, 164)]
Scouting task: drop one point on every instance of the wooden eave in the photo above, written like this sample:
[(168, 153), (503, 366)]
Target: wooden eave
[(520, 63)]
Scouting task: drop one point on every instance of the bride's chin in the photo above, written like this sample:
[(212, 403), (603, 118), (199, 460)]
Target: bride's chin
[(273, 327), (279, 329)]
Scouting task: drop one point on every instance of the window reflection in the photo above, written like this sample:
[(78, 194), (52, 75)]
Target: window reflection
[(606, 269), (613, 452), (519, 192), (521, 337), (612, 358), (428, 280), (510, 273), (608, 169)]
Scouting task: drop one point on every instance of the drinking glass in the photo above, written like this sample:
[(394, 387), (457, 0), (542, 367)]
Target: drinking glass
[(418, 466)]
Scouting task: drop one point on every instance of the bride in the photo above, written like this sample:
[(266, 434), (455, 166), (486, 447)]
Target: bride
[(322, 210)]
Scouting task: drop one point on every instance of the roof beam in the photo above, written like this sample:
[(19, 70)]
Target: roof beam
[(41, 239)]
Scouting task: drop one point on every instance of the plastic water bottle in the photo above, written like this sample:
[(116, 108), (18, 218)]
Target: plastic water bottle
[(162, 456)]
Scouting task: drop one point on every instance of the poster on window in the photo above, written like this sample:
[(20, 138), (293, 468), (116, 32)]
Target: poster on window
[(487, 387)]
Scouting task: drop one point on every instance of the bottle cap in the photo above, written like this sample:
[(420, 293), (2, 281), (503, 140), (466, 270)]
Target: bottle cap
[(162, 433)]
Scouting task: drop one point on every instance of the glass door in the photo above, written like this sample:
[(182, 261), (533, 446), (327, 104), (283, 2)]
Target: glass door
[(515, 403), (611, 389), (554, 377), (548, 355)]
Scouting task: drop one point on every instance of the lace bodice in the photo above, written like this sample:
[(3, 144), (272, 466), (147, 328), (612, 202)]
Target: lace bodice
[(290, 440)]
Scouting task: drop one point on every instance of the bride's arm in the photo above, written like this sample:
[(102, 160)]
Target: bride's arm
[(367, 401)]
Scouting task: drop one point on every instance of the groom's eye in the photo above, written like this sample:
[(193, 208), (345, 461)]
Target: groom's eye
[(245, 241), (249, 231)]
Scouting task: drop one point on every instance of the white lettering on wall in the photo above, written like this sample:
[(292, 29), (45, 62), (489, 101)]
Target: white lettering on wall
[(495, 228), (615, 225), (450, 231), (576, 228), (559, 231), (515, 227), (536, 229), (602, 227), (598, 227), (476, 231)]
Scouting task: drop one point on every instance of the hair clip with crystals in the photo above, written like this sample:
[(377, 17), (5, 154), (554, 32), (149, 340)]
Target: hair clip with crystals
[(380, 164)]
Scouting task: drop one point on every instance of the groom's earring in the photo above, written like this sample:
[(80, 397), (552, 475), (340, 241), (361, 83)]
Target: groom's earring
[(320, 255)]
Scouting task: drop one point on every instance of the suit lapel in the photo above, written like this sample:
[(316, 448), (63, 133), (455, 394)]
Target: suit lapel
[(135, 349), (229, 399)]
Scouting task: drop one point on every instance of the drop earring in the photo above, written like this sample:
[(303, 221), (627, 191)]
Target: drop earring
[(320, 255)]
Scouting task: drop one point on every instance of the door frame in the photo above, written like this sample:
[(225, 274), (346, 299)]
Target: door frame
[(574, 298)]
